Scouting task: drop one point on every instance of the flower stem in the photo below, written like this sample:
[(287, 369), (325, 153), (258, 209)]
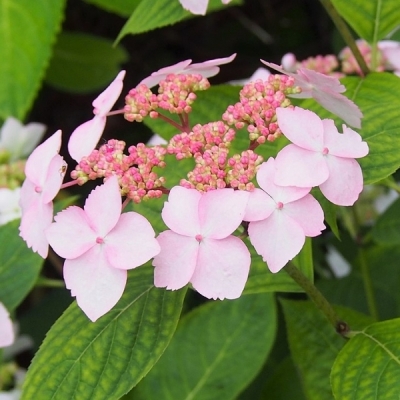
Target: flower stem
[(53, 283), (346, 34), (318, 298)]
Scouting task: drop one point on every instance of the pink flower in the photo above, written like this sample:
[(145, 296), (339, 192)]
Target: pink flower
[(6, 328), (281, 218), (391, 54), (205, 69), (326, 91), (199, 248), (198, 7), (320, 155), (100, 245), (45, 170), (86, 136)]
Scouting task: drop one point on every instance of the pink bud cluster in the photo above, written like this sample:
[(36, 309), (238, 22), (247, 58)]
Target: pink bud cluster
[(140, 101), (136, 178), (256, 109)]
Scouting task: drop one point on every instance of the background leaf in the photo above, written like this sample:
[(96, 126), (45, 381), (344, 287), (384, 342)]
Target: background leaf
[(104, 360), (368, 367), (83, 63), (27, 33), (387, 227), (211, 342)]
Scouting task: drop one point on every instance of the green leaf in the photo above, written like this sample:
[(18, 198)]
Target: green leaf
[(83, 63), (387, 227), (27, 33), (150, 14), (314, 343), (19, 266), (368, 367), (371, 19), (217, 350), (124, 8), (104, 360)]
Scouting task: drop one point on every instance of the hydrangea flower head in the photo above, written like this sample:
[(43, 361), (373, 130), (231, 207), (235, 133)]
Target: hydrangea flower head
[(6, 328), (199, 247), (281, 218), (326, 90), (86, 136), (45, 170), (320, 156), (100, 245), (198, 7), (206, 69)]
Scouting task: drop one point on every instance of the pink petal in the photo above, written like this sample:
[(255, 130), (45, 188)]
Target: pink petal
[(85, 137), (259, 206), (176, 262), (54, 179), (28, 195), (391, 51), (103, 206), (302, 127), (347, 144), (132, 242), (319, 81), (6, 328), (209, 68), (221, 211), (105, 101), (180, 212), (71, 234), (34, 222), (308, 214), (283, 194), (38, 162), (222, 268), (345, 181), (277, 239), (198, 7), (96, 285), (298, 167)]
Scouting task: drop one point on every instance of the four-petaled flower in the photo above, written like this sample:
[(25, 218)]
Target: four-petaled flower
[(85, 137), (198, 7), (100, 244), (200, 247), (281, 218), (6, 328), (44, 170), (320, 156), (206, 69)]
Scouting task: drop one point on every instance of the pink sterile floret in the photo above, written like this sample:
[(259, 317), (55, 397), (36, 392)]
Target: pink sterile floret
[(100, 245), (326, 90), (6, 328), (320, 156), (198, 6), (200, 247), (45, 170), (280, 218), (86, 136), (205, 69)]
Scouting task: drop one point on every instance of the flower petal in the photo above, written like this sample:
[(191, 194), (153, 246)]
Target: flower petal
[(180, 212), (259, 206), (96, 285), (298, 167), (345, 181), (222, 268), (308, 213), (132, 242), (54, 178), (221, 212), (198, 7), (277, 239), (71, 234), (85, 137), (209, 68), (176, 262), (103, 206), (6, 328)]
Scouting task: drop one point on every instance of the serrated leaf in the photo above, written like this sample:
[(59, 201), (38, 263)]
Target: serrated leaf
[(387, 227), (314, 343), (27, 33), (19, 266), (371, 19), (368, 367), (211, 342), (150, 14), (83, 63), (124, 8), (104, 360)]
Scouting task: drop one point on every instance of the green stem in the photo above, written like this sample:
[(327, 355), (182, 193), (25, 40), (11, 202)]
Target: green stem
[(318, 298), (346, 34), (53, 283)]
